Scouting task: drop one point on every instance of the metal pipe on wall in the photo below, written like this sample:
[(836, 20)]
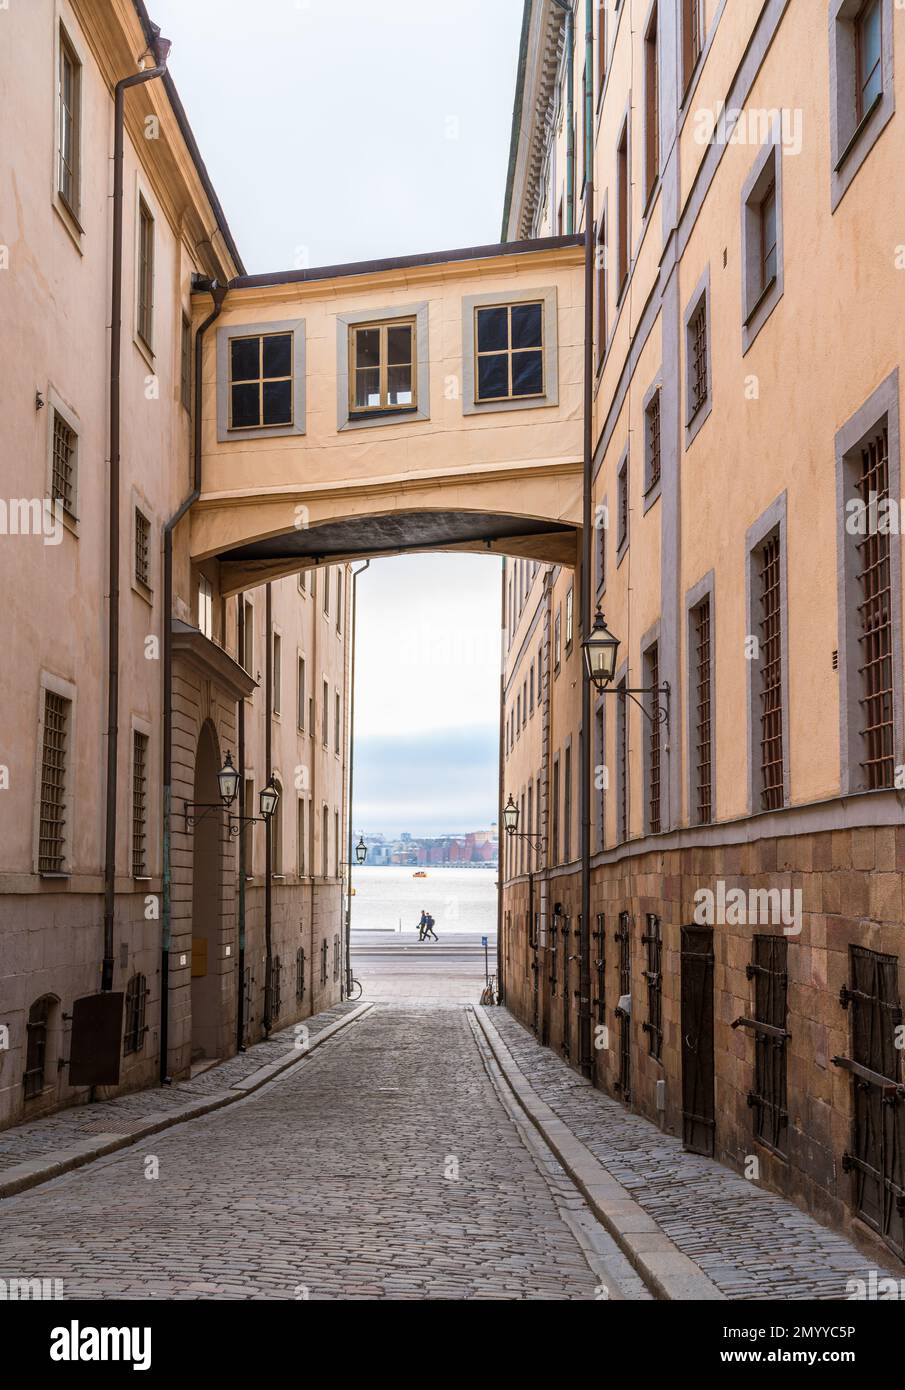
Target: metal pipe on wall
[(240, 996), (566, 5), (268, 829), (160, 48), (352, 617)]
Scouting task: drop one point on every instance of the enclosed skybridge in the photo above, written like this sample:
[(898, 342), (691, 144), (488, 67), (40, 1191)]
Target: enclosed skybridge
[(422, 403)]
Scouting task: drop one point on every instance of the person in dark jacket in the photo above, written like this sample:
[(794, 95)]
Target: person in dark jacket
[(422, 925), (429, 929)]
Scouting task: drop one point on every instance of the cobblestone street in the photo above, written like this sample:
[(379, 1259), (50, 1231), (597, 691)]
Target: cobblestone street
[(385, 1165)]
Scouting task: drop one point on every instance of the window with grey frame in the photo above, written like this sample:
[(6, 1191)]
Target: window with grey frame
[(54, 807), (862, 95), (652, 681), (702, 711), (70, 131), (260, 380), (770, 684), (556, 813), (622, 760), (567, 805), (64, 464), (622, 500), (509, 351), (652, 443), (762, 241)]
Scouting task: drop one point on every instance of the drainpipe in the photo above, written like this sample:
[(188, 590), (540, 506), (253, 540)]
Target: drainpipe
[(501, 837), (159, 48), (218, 293), (566, 5), (240, 1001), (584, 1010), (268, 829), (355, 574)]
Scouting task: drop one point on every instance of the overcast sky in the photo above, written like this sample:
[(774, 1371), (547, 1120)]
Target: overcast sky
[(338, 132)]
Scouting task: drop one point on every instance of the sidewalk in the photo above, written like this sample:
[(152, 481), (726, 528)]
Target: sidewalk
[(674, 1214), (32, 1153)]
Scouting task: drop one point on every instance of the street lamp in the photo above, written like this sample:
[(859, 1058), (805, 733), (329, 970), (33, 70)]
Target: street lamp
[(228, 778), (510, 816), (600, 651), (268, 800), (361, 850)]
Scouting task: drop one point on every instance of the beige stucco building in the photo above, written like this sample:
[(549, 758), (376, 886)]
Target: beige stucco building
[(175, 931), (745, 955)]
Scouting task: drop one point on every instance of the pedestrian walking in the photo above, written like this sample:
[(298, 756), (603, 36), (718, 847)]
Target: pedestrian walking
[(429, 929), (422, 925)]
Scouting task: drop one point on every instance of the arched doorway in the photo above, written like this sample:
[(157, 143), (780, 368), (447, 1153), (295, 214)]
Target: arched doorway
[(207, 878)]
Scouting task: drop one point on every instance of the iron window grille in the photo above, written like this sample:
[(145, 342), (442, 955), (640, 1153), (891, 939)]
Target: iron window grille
[(599, 937), (622, 534), (136, 1008), (335, 958), (771, 696), (300, 975), (139, 805), (699, 349), (52, 839), (145, 274), (324, 961), (276, 987), (769, 970), (509, 360), (261, 371), (653, 442), (875, 621), (702, 714), (248, 1011), (653, 940), (653, 746), (142, 549), (566, 989), (622, 753), (624, 938), (63, 464), (382, 368), (36, 1046)]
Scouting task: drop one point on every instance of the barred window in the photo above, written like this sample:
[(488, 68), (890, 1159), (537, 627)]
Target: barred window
[(703, 757), (653, 746), (142, 549), (52, 839), (36, 1045), (771, 695), (771, 983), (652, 452), (622, 755), (324, 961), (139, 805), (63, 464), (300, 975), (335, 956), (875, 621), (652, 939), (136, 1007), (697, 330), (276, 987)]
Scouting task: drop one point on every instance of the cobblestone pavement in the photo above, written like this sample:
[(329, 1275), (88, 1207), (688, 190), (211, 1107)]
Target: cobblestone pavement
[(384, 1166), (127, 1113), (751, 1243)]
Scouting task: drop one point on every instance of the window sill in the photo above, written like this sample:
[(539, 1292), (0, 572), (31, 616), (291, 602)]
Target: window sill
[(761, 299), (858, 132), (69, 220), (143, 591), (652, 495)]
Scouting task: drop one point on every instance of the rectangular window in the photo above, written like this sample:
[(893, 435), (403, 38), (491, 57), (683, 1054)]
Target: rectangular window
[(325, 851), (602, 528), (261, 369), (518, 715), (145, 274), (64, 461), (70, 98), (653, 940), (862, 84), (248, 843), (337, 729), (652, 663), (185, 361), (54, 808), (622, 209), (337, 860), (556, 812), (868, 58), (567, 806), (692, 38), (531, 689), (139, 805), (509, 362), (570, 617), (382, 367), (770, 675), (622, 755), (651, 107), (300, 835), (326, 711), (246, 646), (697, 330), (302, 693), (339, 600), (601, 45), (769, 970), (761, 225), (524, 702), (622, 520), (557, 640), (277, 672), (142, 549), (875, 665), (601, 286), (205, 607), (600, 782), (652, 442), (701, 703), (276, 833), (767, 219), (326, 593)]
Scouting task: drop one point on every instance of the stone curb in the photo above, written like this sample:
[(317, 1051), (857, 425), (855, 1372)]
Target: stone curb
[(35, 1171), (661, 1264)]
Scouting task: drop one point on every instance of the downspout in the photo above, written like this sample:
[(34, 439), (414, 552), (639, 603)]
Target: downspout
[(355, 574), (218, 294), (584, 1010), (268, 829), (501, 838), (160, 47), (240, 1000), (566, 5)]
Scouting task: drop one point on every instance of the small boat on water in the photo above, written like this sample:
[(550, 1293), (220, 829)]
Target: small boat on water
[(419, 874)]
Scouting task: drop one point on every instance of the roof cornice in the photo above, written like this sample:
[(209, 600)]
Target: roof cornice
[(540, 56)]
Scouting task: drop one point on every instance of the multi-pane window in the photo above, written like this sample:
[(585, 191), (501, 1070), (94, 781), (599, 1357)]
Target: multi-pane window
[(556, 811), (139, 805), (703, 757), (260, 380), (142, 549), (771, 984), (875, 620), (36, 1045), (136, 1005), (567, 807), (622, 756), (325, 850), (277, 672), (868, 58), (382, 375), (70, 97), (326, 714), (302, 693), (145, 274), (771, 695), (768, 243), (300, 836), (622, 520), (570, 617), (653, 940), (692, 37), (509, 363), (185, 363), (652, 441), (557, 640), (697, 344), (652, 106), (652, 661), (53, 819), (339, 600), (63, 464), (622, 210), (337, 724)]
